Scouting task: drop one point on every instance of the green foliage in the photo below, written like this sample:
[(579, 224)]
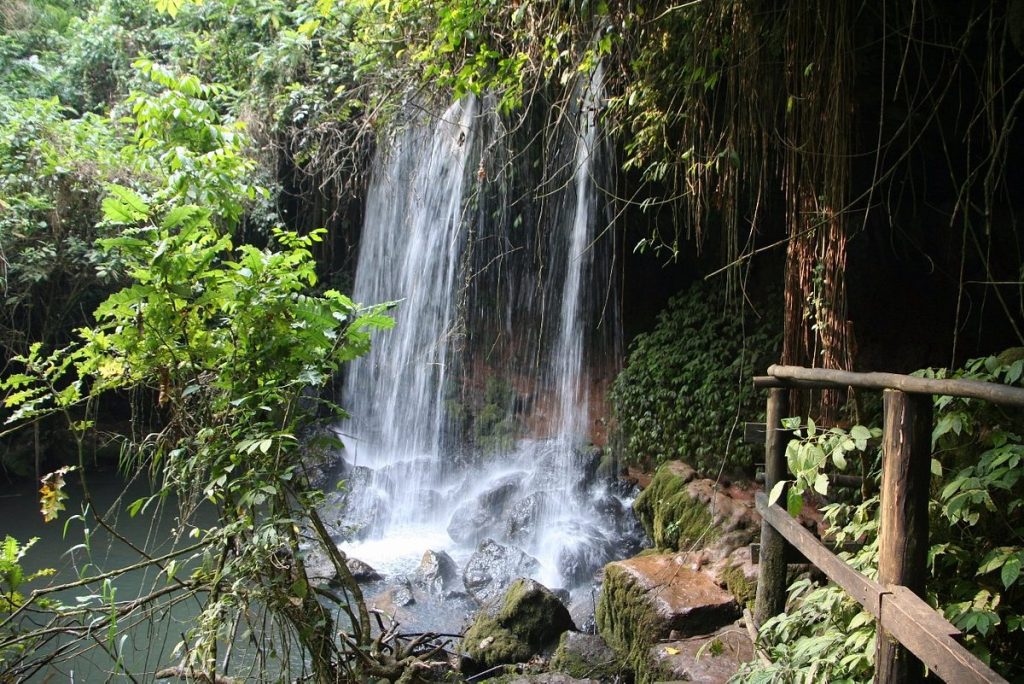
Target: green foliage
[(977, 533), (52, 169), (12, 580), (233, 344), (813, 452), (686, 384), (200, 159), (976, 536)]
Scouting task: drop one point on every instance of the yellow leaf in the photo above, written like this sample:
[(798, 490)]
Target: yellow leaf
[(672, 651), (52, 494)]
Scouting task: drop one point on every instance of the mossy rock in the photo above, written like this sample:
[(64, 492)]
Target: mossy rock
[(624, 616), (672, 518), (646, 598), (528, 618), (737, 583), (588, 656)]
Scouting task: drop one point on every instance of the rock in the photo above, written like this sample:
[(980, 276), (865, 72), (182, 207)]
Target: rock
[(732, 510), (587, 460), (686, 514), (525, 620), (710, 659), (669, 515), (586, 551), (395, 597), (587, 655), (319, 567), (737, 573), (609, 466), (521, 525), (493, 567), (402, 595), (484, 516), (362, 572), (582, 607), (362, 507), (647, 597), (438, 574), (559, 472)]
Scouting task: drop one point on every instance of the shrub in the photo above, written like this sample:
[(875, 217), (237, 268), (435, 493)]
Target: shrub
[(686, 383)]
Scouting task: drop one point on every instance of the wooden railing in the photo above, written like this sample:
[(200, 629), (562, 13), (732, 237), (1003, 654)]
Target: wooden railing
[(911, 635)]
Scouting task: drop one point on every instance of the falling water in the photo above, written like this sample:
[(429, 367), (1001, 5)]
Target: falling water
[(432, 236), (567, 360), (410, 251)]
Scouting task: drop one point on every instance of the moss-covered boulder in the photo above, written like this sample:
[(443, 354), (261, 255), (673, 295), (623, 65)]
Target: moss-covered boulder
[(681, 512), (671, 517), (588, 656), (525, 621), (649, 597)]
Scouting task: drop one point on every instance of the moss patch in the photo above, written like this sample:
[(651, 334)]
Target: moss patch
[(671, 517), (626, 620), (739, 586)]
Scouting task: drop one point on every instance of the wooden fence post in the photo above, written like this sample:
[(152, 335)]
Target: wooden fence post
[(771, 579), (903, 535)]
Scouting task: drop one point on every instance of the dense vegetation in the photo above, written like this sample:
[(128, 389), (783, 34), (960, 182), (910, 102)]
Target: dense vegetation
[(685, 390), (166, 165), (975, 537)]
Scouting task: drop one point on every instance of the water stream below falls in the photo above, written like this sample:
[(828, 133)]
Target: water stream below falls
[(472, 418)]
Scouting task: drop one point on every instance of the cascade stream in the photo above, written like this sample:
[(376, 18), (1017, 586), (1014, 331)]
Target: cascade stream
[(471, 418)]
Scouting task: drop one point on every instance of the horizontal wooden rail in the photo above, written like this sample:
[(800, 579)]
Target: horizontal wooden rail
[(905, 615), (823, 378)]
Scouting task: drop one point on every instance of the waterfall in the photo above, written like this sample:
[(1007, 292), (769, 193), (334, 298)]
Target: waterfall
[(494, 258), (412, 241)]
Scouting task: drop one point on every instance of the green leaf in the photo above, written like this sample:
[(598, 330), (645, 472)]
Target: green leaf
[(1014, 373), (123, 205), (839, 459), (821, 484), (1011, 571), (860, 435), (794, 502), (860, 432)]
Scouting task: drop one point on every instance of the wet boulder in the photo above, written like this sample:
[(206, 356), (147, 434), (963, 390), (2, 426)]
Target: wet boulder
[(362, 572), (523, 516), (557, 470), (522, 622), (586, 549), (587, 460), (438, 574), (361, 505), (484, 515), (493, 567), (398, 595)]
